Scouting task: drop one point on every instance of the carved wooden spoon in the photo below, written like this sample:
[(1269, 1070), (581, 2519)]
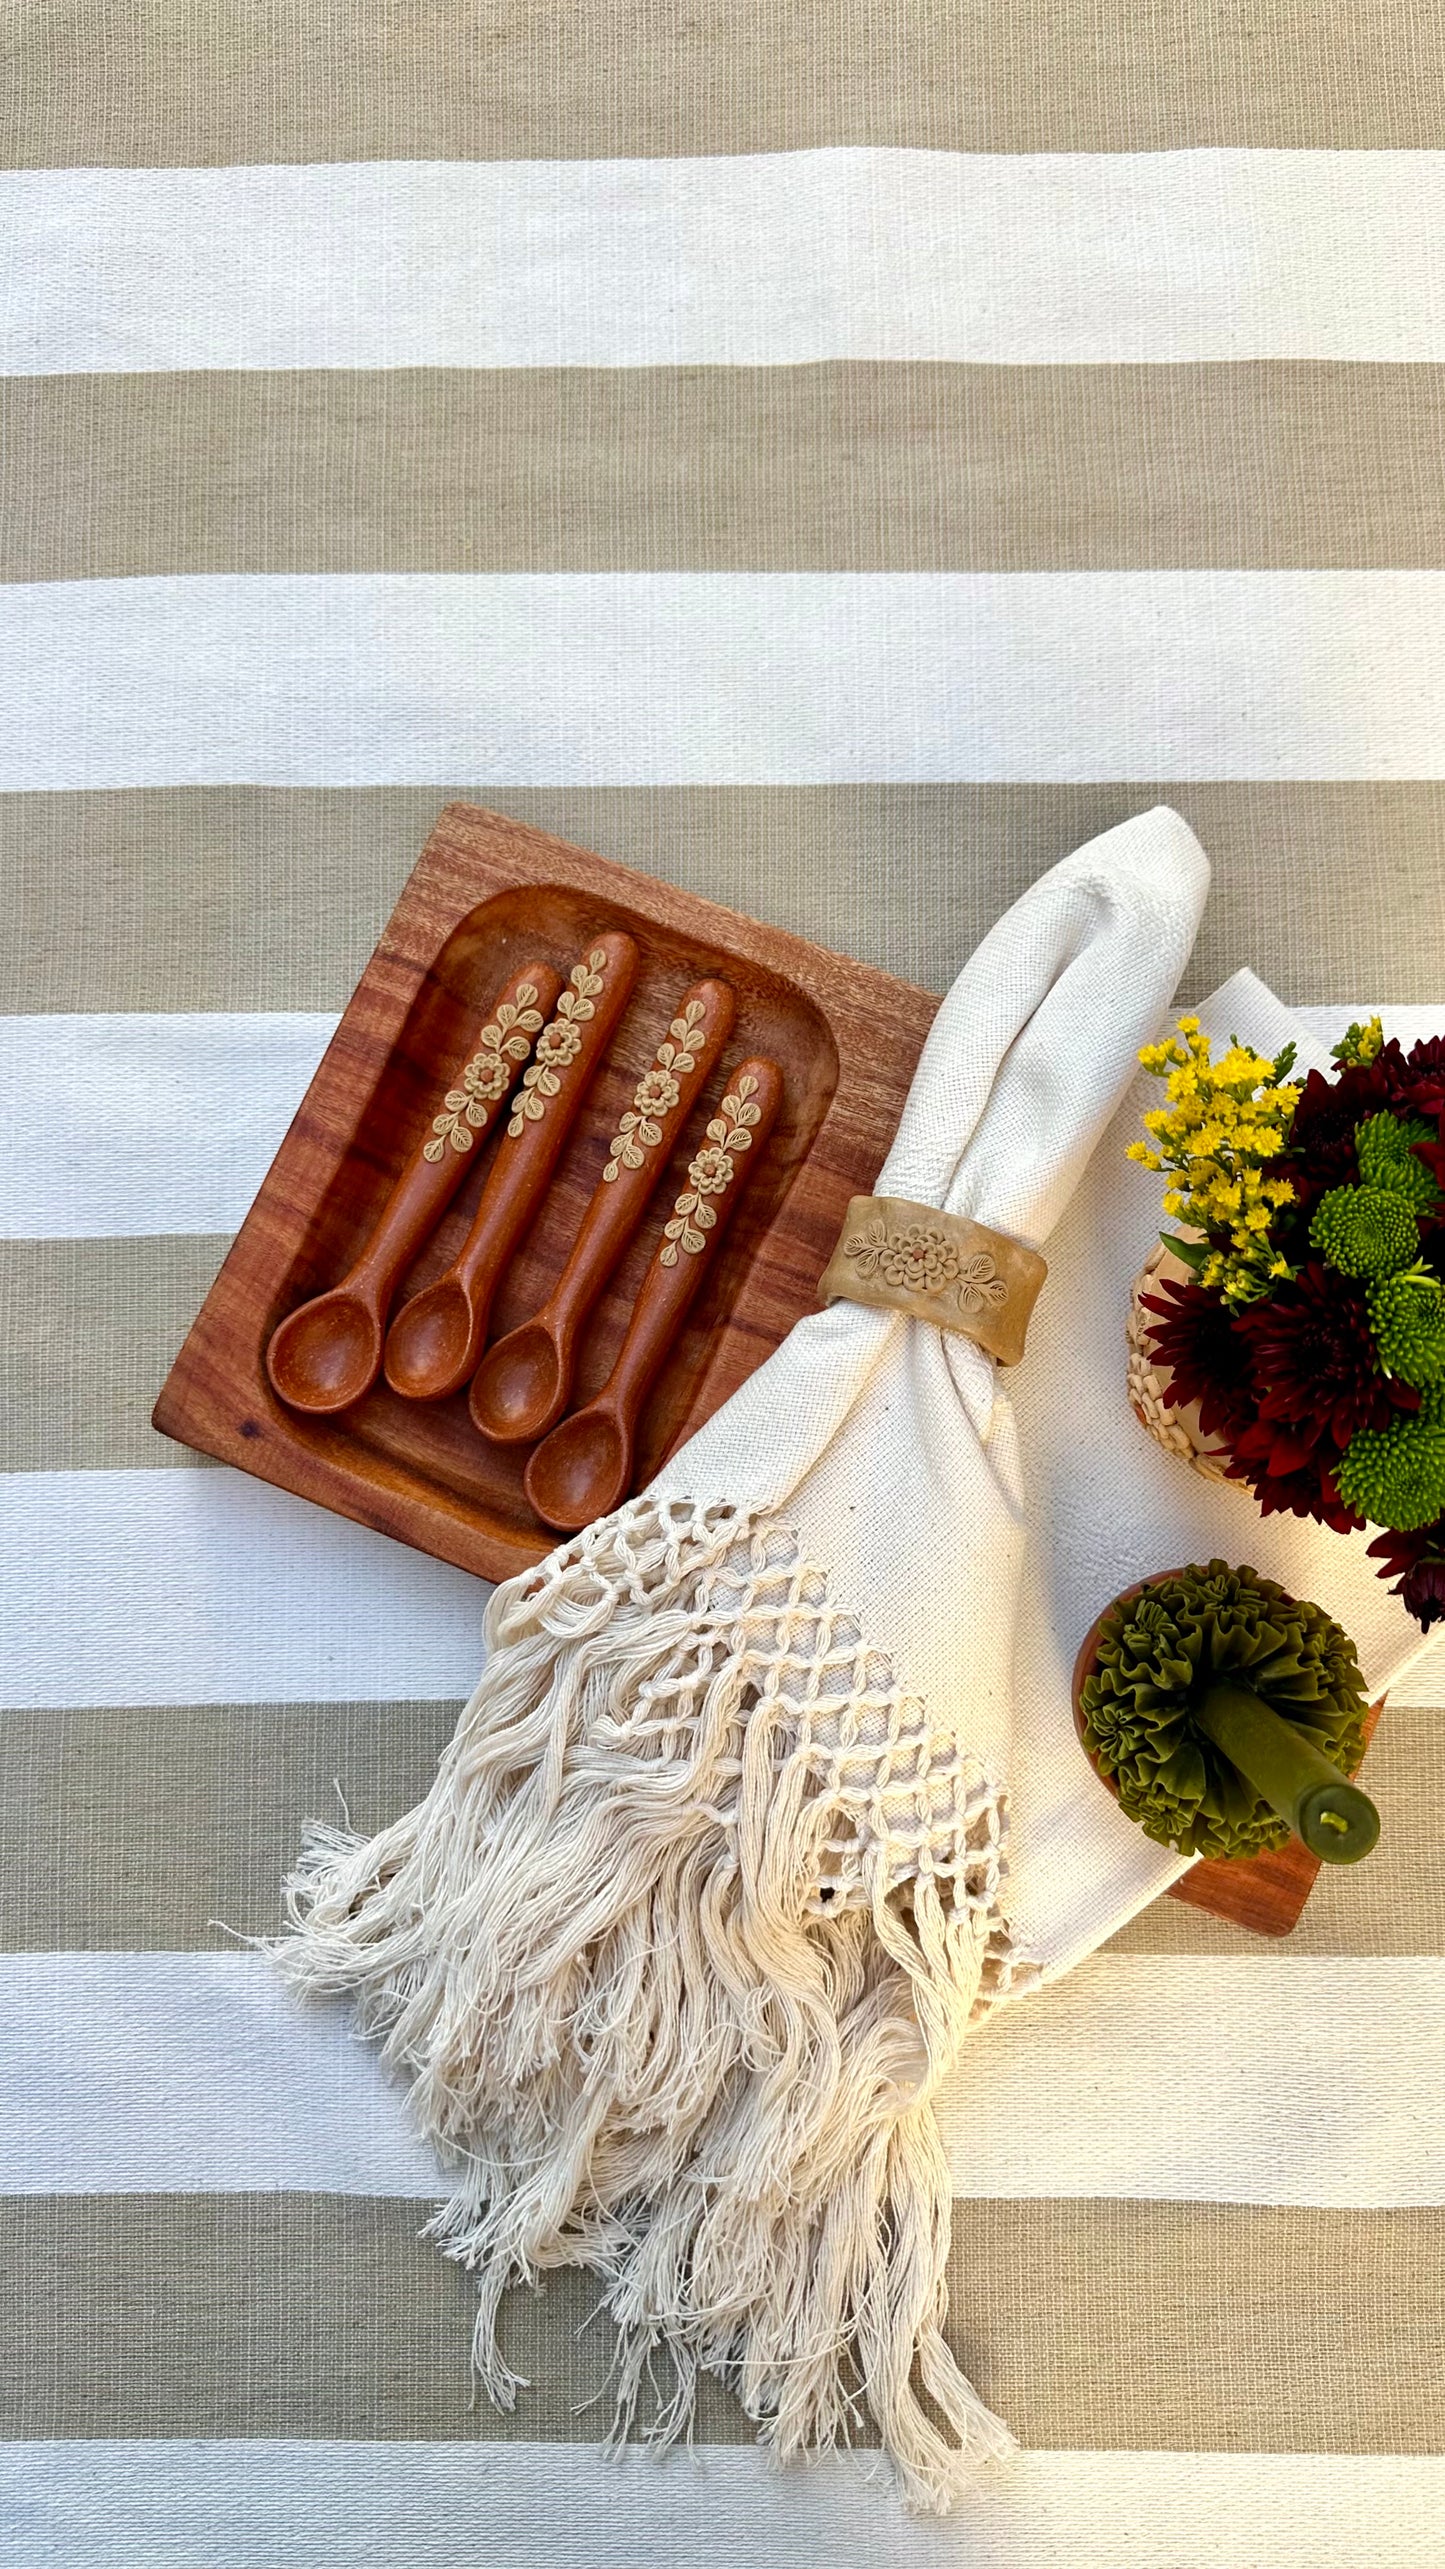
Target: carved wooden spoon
[(585, 1466), (436, 1339), (326, 1354), (524, 1380)]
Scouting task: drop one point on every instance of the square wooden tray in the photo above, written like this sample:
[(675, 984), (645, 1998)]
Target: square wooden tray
[(485, 894)]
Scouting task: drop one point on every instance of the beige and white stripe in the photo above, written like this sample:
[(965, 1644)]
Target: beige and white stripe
[(837, 458)]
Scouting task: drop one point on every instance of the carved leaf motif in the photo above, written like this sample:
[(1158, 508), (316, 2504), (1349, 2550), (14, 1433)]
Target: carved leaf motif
[(655, 1095), (559, 1042), (487, 1076), (866, 1247), (709, 1174), (980, 1286)]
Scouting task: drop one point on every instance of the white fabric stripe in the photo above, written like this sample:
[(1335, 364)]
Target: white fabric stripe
[(1015, 259), (195, 1107), (1246, 2079), (191, 2073), (1329, 1021), (156, 1587), (236, 2505), (151, 1587), (723, 677), (121, 1125)]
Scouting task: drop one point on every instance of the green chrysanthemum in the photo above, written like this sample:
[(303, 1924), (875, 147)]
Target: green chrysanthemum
[(1395, 1476), (1365, 1230), (1386, 1148), (1407, 1317), (1157, 1658)]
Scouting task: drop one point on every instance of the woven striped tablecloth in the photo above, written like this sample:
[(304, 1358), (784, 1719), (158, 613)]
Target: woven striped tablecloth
[(837, 457)]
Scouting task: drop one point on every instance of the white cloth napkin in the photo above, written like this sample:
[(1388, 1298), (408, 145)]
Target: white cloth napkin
[(974, 1555), (769, 1783)]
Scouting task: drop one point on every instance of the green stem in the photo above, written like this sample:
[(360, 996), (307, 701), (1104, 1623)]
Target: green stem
[(1335, 1819)]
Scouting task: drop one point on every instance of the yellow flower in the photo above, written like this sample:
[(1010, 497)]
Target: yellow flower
[(1223, 1123)]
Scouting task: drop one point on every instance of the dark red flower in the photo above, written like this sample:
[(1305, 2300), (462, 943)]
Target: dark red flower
[(1422, 1087), (1315, 1372), (1193, 1339), (1321, 1151), (1416, 1564), (1289, 1478)]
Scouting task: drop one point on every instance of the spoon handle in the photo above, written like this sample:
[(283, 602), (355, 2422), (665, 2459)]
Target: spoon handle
[(720, 1169), (566, 1060), (661, 1102), (466, 1115)]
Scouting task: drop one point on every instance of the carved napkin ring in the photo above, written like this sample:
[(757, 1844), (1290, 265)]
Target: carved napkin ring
[(936, 1266)]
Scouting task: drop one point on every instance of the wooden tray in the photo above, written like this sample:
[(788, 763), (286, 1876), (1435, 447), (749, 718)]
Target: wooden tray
[(485, 894)]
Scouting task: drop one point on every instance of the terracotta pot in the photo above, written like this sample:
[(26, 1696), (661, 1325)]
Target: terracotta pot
[(1082, 1665), (1085, 1661)]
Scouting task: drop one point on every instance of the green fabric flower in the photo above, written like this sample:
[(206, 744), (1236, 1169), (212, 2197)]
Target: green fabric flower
[(1385, 1146), (1407, 1316), (1395, 1476), (1365, 1230), (1157, 1656)]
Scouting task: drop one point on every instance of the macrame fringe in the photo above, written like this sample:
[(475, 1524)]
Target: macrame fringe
[(674, 1954)]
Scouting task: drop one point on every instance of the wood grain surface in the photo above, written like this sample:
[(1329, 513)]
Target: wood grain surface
[(486, 892)]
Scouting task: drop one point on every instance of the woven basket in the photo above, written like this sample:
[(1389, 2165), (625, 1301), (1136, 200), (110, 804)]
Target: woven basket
[(1177, 1430)]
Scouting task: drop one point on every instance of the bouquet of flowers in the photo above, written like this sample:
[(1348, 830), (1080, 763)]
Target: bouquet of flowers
[(1306, 1325)]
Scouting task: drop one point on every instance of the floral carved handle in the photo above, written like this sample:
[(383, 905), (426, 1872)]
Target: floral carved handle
[(325, 1354), (502, 1046), (436, 1340), (585, 1466), (428, 1183), (524, 1383)]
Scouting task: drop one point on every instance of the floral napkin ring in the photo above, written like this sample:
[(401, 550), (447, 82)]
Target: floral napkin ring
[(897, 1256)]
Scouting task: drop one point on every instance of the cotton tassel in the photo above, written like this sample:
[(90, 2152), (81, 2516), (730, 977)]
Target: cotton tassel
[(674, 1954)]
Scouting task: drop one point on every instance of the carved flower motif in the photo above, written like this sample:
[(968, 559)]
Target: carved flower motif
[(922, 1259), (485, 1077), (488, 1075), (656, 1094), (710, 1173), (919, 1260), (559, 1042), (711, 1170)]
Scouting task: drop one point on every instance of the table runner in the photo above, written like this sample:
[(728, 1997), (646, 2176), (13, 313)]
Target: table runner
[(838, 460)]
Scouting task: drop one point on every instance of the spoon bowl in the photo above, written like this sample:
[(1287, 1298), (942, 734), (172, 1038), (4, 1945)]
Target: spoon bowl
[(581, 1470), (432, 1344), (521, 1386), (328, 1353)]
